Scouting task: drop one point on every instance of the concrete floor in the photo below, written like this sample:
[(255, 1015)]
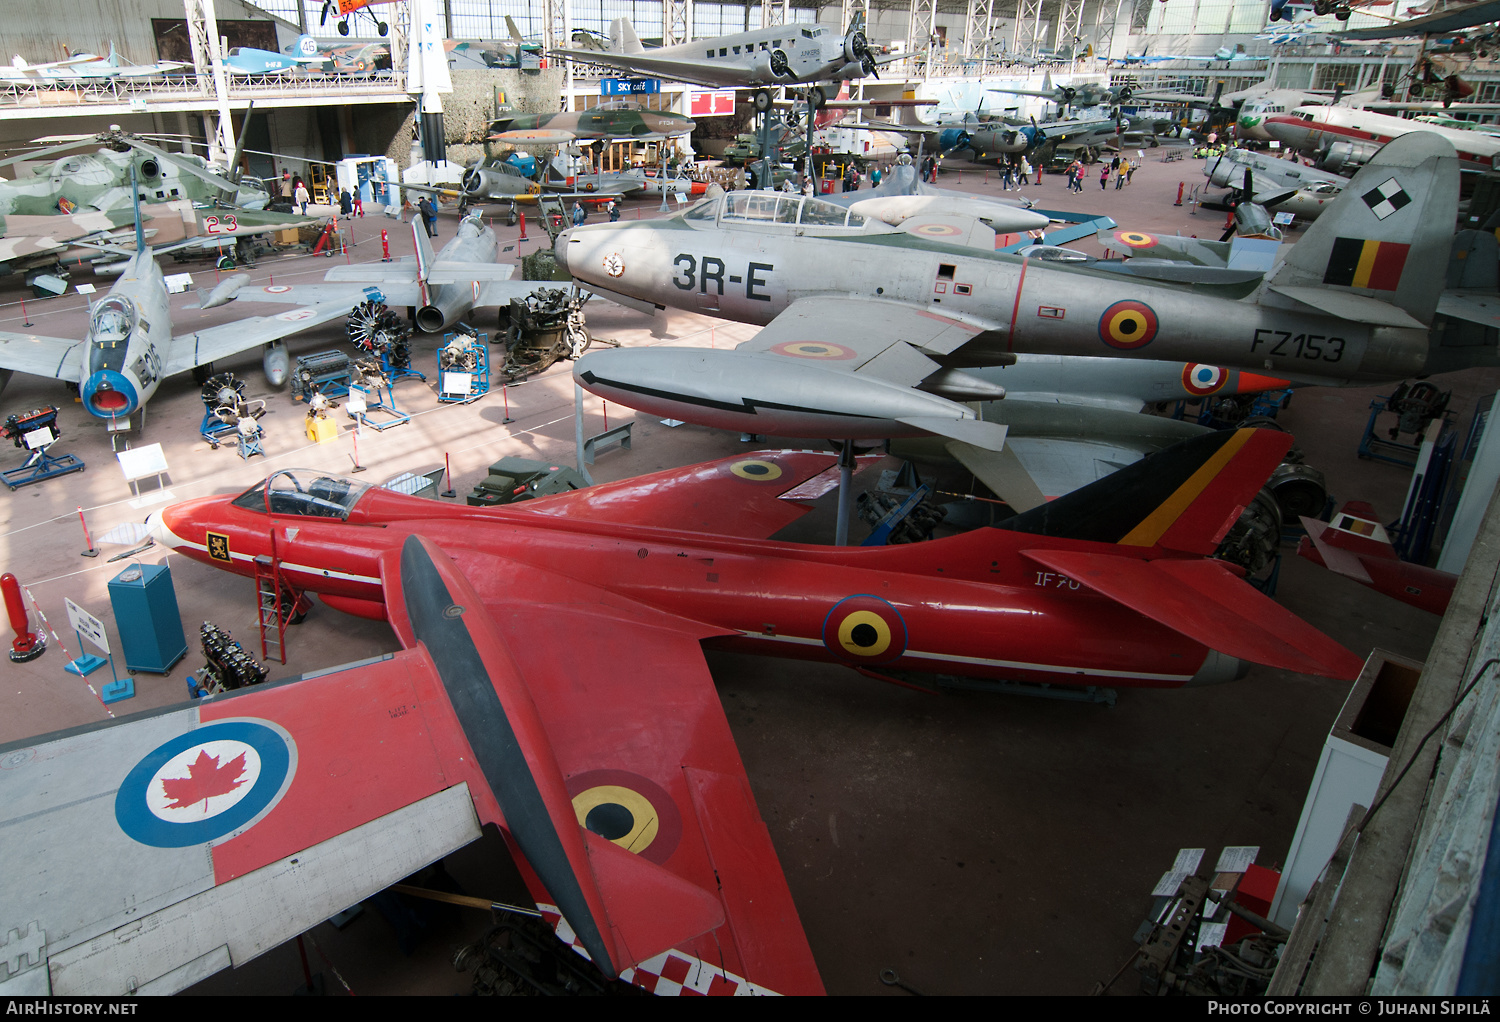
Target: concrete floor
[(976, 844)]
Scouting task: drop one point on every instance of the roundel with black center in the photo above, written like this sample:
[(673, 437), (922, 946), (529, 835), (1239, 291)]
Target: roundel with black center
[(756, 470), (635, 813), (865, 630), (1127, 325)]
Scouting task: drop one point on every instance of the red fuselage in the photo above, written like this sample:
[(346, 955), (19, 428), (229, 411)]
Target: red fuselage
[(970, 605)]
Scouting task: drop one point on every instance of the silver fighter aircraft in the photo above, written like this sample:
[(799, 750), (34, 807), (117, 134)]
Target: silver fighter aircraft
[(130, 347), (850, 303), (440, 289)]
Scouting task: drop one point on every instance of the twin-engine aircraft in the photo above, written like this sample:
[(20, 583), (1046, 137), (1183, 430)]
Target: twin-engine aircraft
[(553, 683), (791, 54)]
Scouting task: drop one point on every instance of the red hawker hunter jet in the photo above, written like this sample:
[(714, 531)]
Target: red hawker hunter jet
[(553, 683)]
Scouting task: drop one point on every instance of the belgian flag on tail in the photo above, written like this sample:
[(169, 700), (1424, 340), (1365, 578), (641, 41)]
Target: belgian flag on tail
[(1357, 262)]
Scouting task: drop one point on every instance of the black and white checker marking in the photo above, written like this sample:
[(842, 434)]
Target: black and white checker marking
[(1386, 199)]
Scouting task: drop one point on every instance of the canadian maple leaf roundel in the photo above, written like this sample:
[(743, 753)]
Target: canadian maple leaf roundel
[(206, 778)]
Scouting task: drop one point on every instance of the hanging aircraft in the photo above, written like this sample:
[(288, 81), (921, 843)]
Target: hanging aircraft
[(618, 119), (440, 289), (897, 308), (1342, 137), (765, 58), (344, 9), (634, 828), (1343, 10), (130, 348)]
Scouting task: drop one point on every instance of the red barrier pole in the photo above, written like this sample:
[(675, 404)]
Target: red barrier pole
[(505, 395), (28, 645), (605, 406), (90, 552), (448, 471), (25, 319), (385, 246), (1180, 185), (523, 228)]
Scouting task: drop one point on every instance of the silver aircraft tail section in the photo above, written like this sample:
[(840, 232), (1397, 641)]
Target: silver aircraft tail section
[(1385, 238)]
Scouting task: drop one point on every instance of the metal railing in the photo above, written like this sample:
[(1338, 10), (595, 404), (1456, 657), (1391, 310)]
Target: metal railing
[(142, 93)]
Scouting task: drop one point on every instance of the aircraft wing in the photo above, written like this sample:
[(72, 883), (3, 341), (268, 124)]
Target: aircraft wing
[(874, 338), (210, 344), (750, 496), (226, 836), (27, 235), (440, 272), (58, 357), (645, 756), (698, 72)]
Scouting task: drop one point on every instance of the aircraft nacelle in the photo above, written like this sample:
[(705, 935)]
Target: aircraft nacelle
[(482, 181), (952, 138), (1341, 156)]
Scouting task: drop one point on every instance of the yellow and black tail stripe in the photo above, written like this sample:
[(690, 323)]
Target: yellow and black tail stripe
[(1154, 526), (865, 630), (1359, 262)]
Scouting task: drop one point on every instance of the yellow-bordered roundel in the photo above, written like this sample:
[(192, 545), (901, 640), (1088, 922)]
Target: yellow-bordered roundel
[(1201, 380), (1136, 239), (937, 230), (812, 349), (756, 470), (635, 813), (1127, 325), (864, 630)]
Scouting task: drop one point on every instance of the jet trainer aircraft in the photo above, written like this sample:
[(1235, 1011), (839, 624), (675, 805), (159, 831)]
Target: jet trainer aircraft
[(900, 196), (553, 683), (859, 313), (762, 59)]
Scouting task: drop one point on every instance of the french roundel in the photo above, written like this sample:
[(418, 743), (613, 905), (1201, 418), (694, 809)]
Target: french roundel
[(276, 289), (1201, 380), (1135, 239), (756, 470), (812, 349), (212, 781), (632, 811), (864, 630), (1127, 325)]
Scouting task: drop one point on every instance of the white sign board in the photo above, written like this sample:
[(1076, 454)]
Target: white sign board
[(457, 383), (356, 402), (140, 462), (87, 625), (39, 438), (177, 283)]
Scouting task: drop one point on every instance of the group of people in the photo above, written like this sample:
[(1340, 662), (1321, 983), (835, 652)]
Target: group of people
[(1015, 174), (294, 190), (1120, 168)]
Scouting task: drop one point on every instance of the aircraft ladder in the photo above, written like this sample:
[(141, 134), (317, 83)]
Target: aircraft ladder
[(270, 590)]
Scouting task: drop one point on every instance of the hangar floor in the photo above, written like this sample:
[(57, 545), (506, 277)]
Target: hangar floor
[(976, 844)]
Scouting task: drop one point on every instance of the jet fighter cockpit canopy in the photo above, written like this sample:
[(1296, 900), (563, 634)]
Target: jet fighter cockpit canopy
[(112, 320), (305, 492), (774, 209)]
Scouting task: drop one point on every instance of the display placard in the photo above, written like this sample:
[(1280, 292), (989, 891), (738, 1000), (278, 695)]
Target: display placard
[(87, 625)]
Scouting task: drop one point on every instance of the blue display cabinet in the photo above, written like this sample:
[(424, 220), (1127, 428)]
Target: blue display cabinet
[(145, 606)]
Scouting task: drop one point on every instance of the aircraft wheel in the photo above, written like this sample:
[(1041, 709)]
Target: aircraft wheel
[(382, 28), (343, 28), (1342, 15), (816, 98), (762, 101)]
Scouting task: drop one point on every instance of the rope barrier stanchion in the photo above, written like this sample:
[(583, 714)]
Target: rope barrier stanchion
[(92, 551)]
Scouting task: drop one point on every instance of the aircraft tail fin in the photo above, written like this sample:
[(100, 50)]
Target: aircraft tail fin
[(1388, 234), (1183, 498), (622, 37), (515, 33)]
